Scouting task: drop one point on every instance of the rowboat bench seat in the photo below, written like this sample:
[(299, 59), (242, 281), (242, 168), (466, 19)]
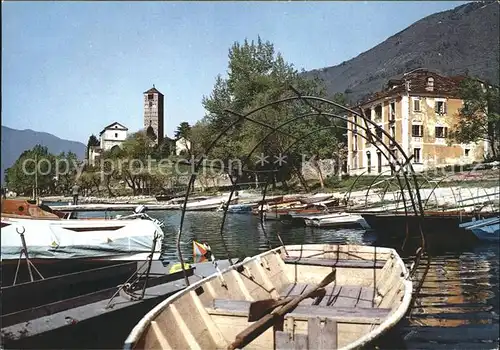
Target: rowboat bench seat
[(344, 314), (335, 296), (344, 263)]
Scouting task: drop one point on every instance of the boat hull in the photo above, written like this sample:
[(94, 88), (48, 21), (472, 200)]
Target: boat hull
[(397, 224), (76, 239), (66, 318), (219, 304)]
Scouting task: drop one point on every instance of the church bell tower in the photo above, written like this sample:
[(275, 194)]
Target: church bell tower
[(153, 114)]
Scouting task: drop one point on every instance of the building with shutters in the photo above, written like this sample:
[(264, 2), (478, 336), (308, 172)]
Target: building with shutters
[(418, 109)]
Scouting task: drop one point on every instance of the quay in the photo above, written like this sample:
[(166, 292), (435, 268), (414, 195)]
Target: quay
[(113, 207)]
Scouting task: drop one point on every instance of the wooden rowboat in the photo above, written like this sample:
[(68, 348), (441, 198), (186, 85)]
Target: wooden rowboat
[(360, 292)]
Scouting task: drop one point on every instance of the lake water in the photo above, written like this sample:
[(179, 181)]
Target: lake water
[(457, 307)]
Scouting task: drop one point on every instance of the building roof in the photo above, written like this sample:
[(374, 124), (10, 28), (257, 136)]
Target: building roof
[(111, 126), (153, 90), (415, 82)]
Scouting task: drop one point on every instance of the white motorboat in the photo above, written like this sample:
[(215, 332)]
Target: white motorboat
[(48, 237), (80, 239), (336, 220)]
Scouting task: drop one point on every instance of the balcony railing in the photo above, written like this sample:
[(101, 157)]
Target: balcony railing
[(416, 139)]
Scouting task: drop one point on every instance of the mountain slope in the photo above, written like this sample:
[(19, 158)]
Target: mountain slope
[(463, 40), (14, 142)]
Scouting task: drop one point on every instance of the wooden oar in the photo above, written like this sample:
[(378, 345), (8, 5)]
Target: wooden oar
[(257, 328), (260, 308)]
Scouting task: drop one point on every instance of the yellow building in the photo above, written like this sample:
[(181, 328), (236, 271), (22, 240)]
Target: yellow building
[(418, 110)]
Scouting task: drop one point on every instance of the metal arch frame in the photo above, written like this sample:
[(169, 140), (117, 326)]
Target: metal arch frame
[(396, 198), (421, 250), (303, 138), (297, 139), (331, 115), (348, 193), (373, 181), (305, 99)]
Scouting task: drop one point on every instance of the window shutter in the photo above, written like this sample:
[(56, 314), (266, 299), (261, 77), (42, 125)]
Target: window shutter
[(436, 107), (444, 107)]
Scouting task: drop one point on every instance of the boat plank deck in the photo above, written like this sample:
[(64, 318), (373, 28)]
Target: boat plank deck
[(304, 312)]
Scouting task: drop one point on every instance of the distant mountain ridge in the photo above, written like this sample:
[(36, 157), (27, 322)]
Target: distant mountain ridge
[(460, 41), (14, 142)]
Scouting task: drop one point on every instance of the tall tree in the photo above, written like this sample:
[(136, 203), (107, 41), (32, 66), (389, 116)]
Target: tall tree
[(257, 75), (33, 167), (135, 160), (479, 118), (92, 142), (183, 135), (183, 130)]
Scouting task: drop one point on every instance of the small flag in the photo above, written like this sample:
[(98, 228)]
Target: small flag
[(200, 249)]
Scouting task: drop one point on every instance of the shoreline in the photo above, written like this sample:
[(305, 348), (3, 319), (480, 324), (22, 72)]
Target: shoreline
[(458, 196)]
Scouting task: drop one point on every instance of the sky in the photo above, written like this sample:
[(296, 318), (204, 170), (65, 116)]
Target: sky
[(71, 68)]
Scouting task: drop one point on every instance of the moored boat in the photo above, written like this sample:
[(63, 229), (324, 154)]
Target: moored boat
[(319, 197), (484, 229), (280, 298), (439, 222), (340, 220), (35, 237)]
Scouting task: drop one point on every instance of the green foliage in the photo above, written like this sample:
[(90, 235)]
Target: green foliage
[(134, 164), (479, 118), (258, 75), (38, 167), (183, 130), (92, 142)]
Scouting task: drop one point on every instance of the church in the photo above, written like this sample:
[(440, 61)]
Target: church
[(114, 134)]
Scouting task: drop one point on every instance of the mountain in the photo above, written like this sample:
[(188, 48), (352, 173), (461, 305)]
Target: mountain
[(460, 41), (14, 142)]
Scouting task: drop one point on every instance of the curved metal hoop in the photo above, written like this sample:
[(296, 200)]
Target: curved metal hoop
[(371, 137)]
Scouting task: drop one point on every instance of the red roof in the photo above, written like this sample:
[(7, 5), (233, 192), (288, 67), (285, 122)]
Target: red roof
[(416, 81)]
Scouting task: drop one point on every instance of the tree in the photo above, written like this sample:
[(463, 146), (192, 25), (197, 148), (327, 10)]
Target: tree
[(479, 118), (134, 161), (183, 130), (92, 142), (34, 167), (183, 133), (67, 170), (258, 75), (328, 142), (89, 180)]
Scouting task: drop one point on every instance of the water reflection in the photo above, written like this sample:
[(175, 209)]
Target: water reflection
[(457, 307)]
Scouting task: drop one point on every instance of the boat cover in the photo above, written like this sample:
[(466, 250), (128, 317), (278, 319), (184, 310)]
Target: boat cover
[(74, 239)]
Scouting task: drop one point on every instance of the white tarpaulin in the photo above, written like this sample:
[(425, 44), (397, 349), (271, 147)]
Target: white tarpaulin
[(73, 239)]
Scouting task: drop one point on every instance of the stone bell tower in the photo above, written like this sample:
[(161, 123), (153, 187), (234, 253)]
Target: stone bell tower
[(153, 114)]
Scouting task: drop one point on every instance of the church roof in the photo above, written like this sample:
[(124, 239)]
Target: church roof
[(153, 90), (114, 126)]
